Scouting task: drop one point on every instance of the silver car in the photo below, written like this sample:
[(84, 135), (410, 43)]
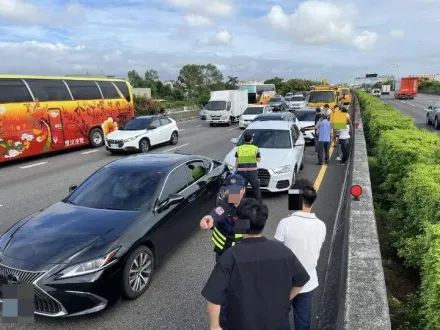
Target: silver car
[(297, 102)]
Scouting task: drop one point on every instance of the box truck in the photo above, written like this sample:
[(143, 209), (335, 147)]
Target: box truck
[(407, 88), (226, 107), (386, 89)]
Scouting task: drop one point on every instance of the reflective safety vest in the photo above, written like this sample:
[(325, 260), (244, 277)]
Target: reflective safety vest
[(222, 242), (247, 157)]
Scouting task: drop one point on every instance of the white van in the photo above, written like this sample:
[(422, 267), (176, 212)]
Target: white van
[(252, 112)]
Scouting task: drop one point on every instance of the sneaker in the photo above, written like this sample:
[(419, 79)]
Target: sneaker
[(341, 163), (338, 159)]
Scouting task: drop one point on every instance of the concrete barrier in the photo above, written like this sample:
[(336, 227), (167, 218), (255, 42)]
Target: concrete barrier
[(366, 303), (184, 115)]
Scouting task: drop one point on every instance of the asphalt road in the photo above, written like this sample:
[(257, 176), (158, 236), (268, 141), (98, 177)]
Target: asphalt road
[(173, 300), (415, 108)]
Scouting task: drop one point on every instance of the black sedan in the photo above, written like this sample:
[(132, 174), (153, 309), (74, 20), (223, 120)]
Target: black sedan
[(110, 233)]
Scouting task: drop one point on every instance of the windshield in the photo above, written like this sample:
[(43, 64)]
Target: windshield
[(288, 99), (253, 111), (322, 97), (305, 115), (298, 99), (137, 124), (117, 189), (269, 139), (216, 105), (275, 99), (345, 92)]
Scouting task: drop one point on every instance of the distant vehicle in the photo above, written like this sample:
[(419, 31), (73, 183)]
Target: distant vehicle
[(376, 92), (407, 88), (202, 114), (251, 113), (281, 146), (433, 115), (306, 123), (284, 116), (258, 93), (226, 107), (141, 133), (386, 89), (40, 114), (289, 94), (297, 102), (277, 104), (108, 235)]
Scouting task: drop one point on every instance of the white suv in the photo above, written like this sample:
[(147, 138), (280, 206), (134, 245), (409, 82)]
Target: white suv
[(281, 145), (143, 132)]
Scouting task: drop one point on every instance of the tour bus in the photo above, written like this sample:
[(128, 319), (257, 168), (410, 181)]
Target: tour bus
[(41, 114), (259, 93)]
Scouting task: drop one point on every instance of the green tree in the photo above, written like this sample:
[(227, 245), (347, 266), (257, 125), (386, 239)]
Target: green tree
[(277, 81), (211, 75), (232, 83), (191, 80), (135, 79), (151, 75)]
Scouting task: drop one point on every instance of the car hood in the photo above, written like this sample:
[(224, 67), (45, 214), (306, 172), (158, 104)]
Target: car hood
[(302, 124), (57, 233), (249, 117), (297, 102), (274, 104), (119, 134), (270, 158)]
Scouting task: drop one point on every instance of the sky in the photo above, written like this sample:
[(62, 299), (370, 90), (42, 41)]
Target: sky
[(250, 39)]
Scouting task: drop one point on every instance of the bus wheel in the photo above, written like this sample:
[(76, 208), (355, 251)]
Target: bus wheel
[(96, 138)]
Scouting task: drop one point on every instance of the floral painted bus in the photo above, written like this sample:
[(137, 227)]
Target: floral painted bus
[(44, 114)]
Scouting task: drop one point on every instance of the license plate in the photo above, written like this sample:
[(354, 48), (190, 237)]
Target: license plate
[(113, 145)]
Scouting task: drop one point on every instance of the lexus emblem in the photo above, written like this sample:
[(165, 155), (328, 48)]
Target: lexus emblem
[(12, 279)]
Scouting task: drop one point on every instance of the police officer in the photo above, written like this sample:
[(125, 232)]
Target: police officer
[(222, 218), (247, 156)]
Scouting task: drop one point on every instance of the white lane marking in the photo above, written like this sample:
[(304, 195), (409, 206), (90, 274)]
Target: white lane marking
[(1, 205), (183, 145), (89, 152), (198, 125), (412, 104), (181, 130), (33, 165), (231, 129)]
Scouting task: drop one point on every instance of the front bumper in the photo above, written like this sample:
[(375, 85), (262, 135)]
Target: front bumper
[(68, 297), (308, 136), (271, 182), (244, 124), (217, 120), (119, 145)]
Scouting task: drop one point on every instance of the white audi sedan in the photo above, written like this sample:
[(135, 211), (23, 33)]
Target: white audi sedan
[(281, 147), (141, 133)]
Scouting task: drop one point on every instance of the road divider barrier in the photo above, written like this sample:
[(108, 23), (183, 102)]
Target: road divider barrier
[(406, 168), (184, 115)]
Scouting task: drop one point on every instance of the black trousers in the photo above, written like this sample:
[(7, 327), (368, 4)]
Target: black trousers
[(252, 178), (323, 152), (345, 149)]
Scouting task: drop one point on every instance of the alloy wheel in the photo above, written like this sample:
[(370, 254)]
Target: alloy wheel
[(144, 146), (140, 272), (97, 138), (174, 138)]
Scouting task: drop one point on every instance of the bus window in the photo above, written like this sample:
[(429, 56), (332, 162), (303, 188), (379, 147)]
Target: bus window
[(122, 86), (84, 90), (14, 90), (108, 90), (49, 90)]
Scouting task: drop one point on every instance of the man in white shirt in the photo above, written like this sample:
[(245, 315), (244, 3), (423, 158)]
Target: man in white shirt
[(303, 233)]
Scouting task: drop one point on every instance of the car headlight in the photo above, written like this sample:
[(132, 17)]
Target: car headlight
[(131, 139), (283, 169), (90, 266), (230, 167)]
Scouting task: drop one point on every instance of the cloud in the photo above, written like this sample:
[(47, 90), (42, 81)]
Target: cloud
[(319, 23), (221, 38), (203, 7), (197, 20), (397, 34)]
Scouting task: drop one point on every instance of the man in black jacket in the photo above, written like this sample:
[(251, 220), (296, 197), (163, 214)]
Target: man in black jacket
[(318, 117)]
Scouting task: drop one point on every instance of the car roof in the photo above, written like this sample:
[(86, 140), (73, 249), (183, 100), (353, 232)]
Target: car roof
[(257, 105), (275, 114), (307, 109), (151, 116), (154, 162), (269, 125)]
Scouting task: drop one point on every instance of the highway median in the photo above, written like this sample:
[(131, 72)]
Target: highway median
[(405, 175)]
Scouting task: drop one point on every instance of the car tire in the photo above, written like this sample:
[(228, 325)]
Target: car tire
[(428, 121), (436, 123), (302, 163), (145, 257), (96, 138), (230, 121), (174, 139), (212, 125), (144, 145), (293, 177)]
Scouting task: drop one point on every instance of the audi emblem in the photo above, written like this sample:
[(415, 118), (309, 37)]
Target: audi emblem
[(12, 279)]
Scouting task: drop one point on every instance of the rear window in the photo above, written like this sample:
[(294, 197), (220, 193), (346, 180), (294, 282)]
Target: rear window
[(253, 111), (122, 86), (275, 99), (14, 90)]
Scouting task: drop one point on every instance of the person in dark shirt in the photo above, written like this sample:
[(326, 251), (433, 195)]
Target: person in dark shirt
[(256, 279)]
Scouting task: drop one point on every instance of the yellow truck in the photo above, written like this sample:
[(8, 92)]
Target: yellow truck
[(323, 94), (344, 95)]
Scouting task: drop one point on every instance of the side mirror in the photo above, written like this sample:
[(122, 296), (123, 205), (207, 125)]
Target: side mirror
[(72, 188), (299, 144), (302, 130), (173, 199), (152, 127), (234, 140), (229, 107), (430, 107)]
